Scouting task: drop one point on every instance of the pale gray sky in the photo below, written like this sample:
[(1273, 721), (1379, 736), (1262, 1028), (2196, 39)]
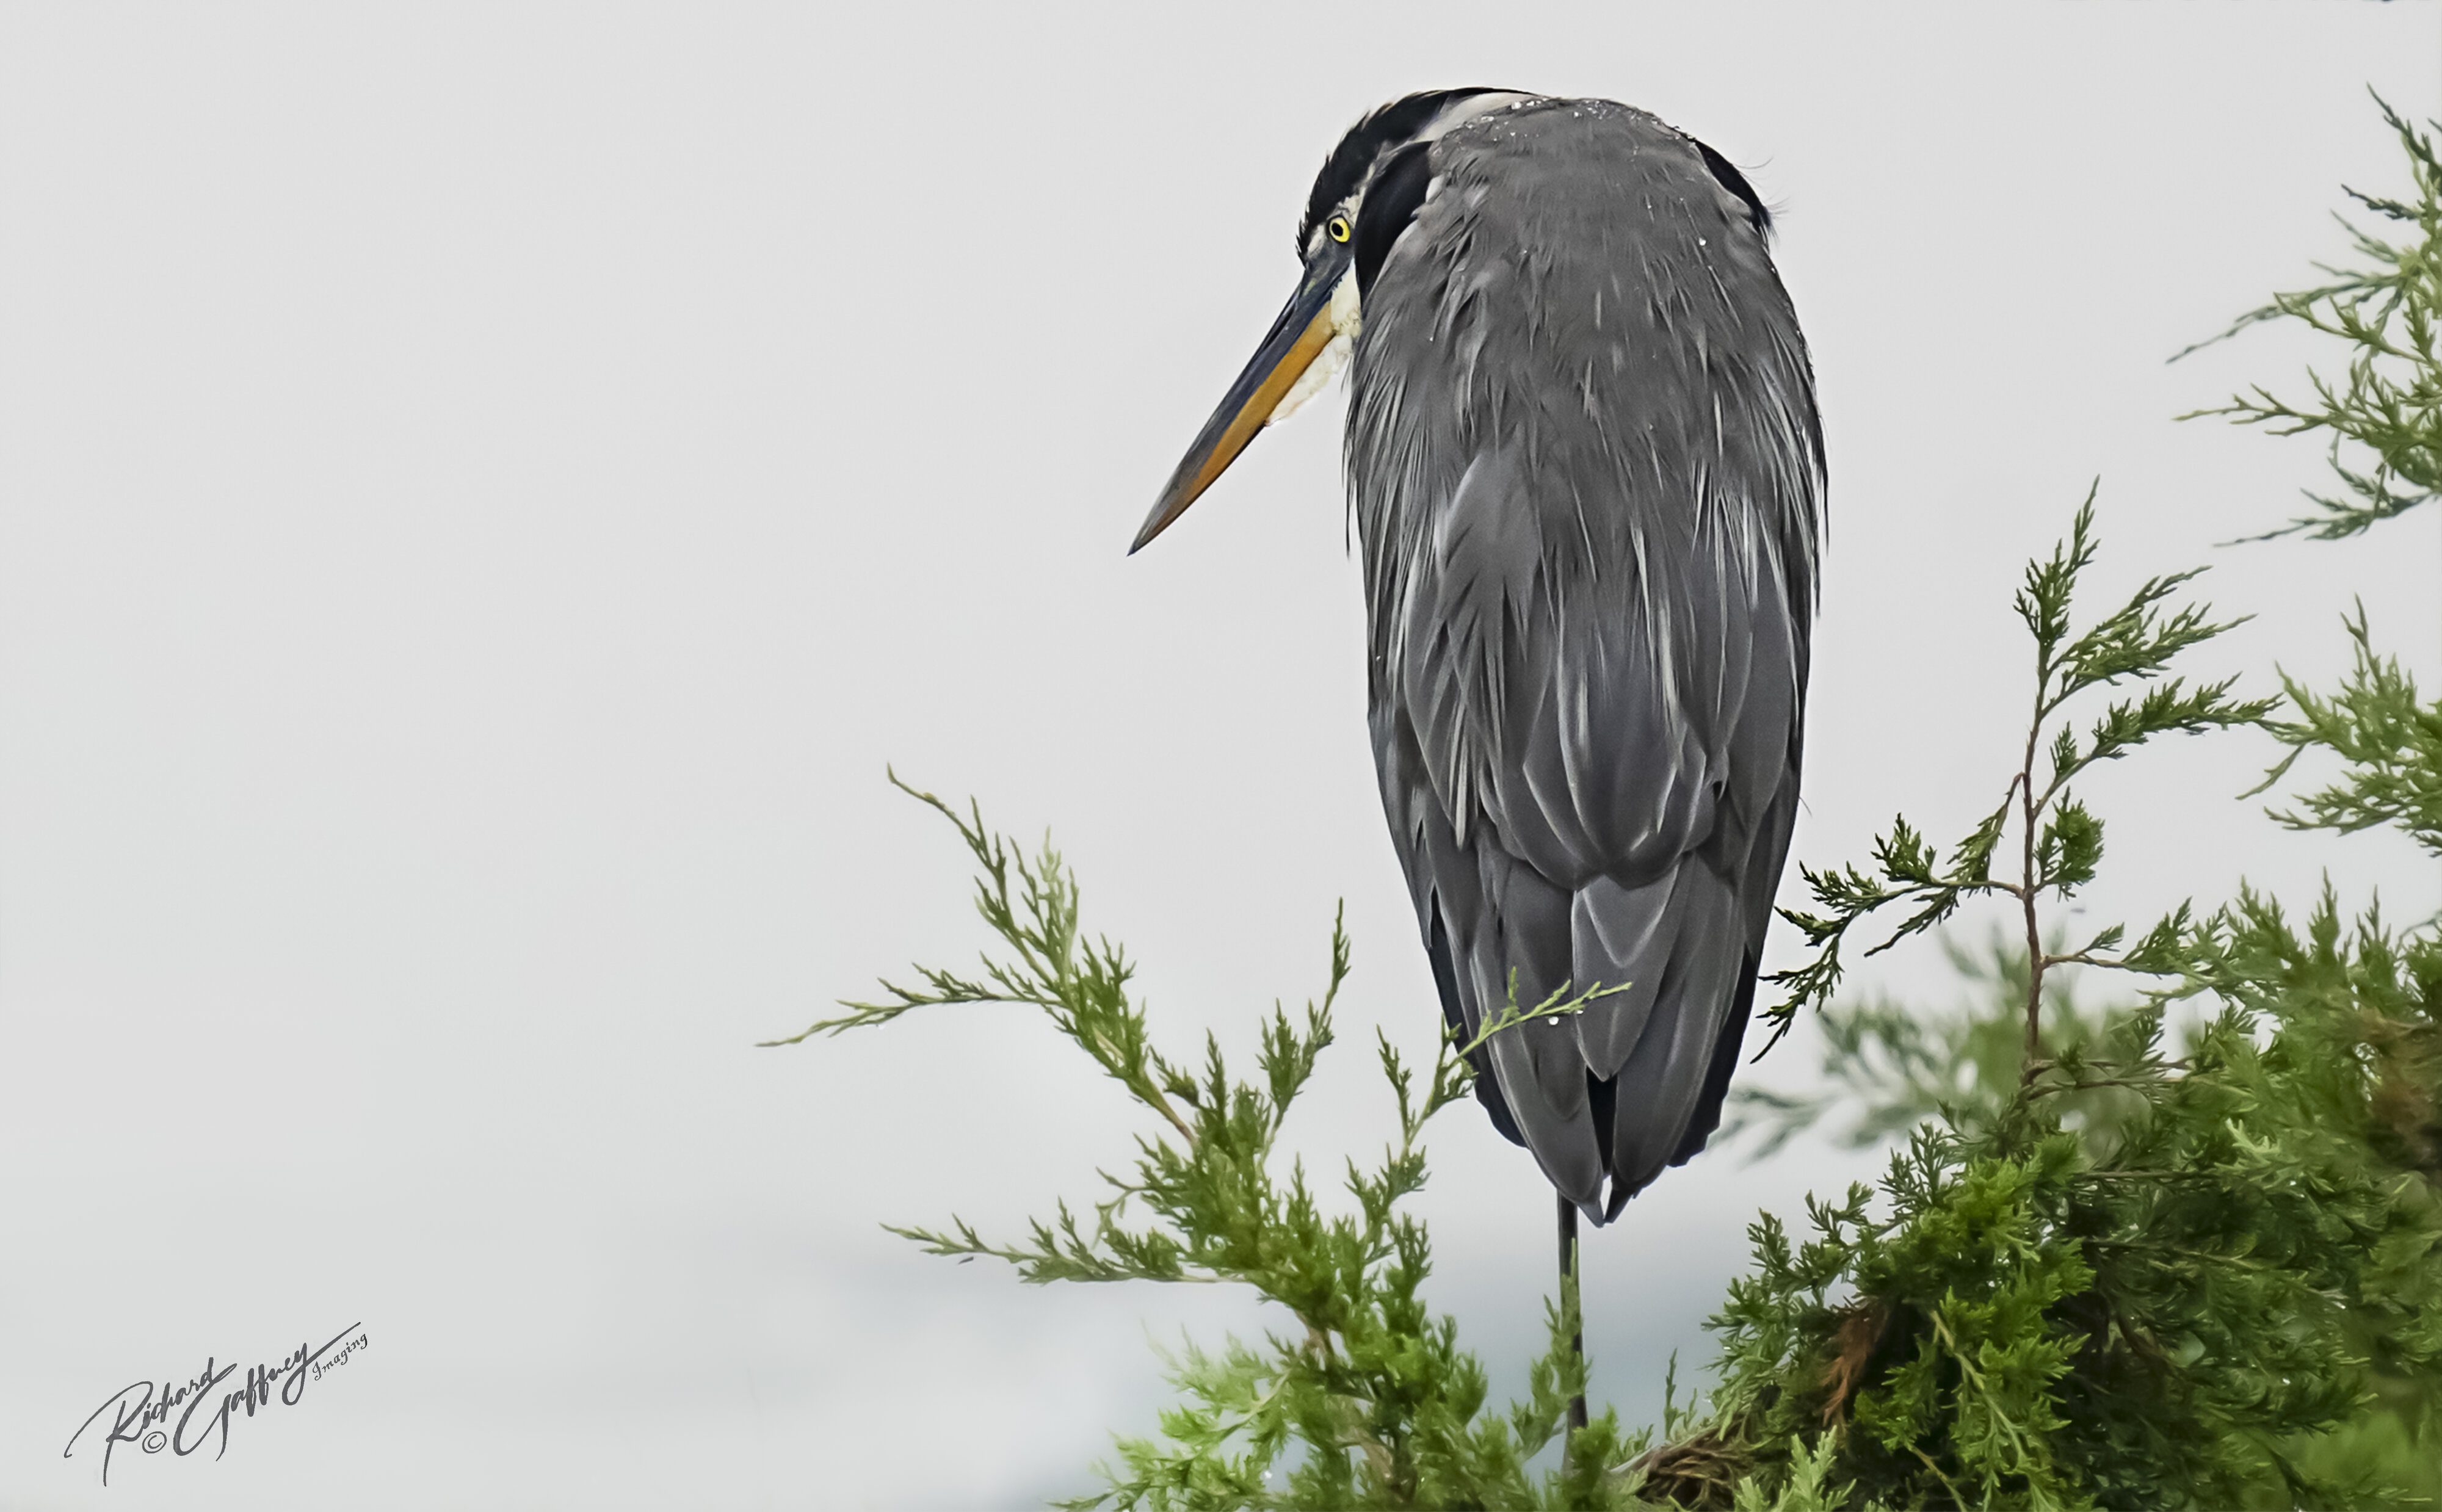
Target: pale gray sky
[(483, 491)]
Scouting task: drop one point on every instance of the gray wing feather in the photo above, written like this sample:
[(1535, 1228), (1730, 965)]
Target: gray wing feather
[(1586, 468)]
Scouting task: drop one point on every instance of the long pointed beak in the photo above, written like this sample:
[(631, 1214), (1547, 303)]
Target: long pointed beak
[(1305, 328)]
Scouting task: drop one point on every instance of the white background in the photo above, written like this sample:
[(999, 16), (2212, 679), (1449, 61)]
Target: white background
[(483, 491)]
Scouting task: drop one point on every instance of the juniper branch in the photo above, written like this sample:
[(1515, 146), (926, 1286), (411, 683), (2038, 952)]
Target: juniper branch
[(2389, 402)]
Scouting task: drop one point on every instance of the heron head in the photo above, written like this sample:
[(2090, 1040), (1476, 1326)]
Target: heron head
[(1368, 191)]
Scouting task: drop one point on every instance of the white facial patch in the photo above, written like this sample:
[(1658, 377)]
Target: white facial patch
[(1343, 314)]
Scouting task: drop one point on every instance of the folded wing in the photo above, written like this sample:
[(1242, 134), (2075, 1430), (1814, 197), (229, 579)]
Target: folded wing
[(1585, 461)]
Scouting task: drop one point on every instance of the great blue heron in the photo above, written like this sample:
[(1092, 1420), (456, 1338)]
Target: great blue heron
[(1586, 472)]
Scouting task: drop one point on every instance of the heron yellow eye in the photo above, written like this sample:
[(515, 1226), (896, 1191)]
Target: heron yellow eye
[(1337, 227)]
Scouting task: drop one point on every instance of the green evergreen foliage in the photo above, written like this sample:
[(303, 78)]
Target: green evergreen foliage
[(2172, 1305), (2387, 740), (2389, 404), (2061, 840), (2179, 1249), (1888, 1067), (1371, 1389)]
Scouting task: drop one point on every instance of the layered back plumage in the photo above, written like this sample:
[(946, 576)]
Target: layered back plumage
[(1587, 471)]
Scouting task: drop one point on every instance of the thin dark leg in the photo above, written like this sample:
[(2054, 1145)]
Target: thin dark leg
[(1569, 1293)]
